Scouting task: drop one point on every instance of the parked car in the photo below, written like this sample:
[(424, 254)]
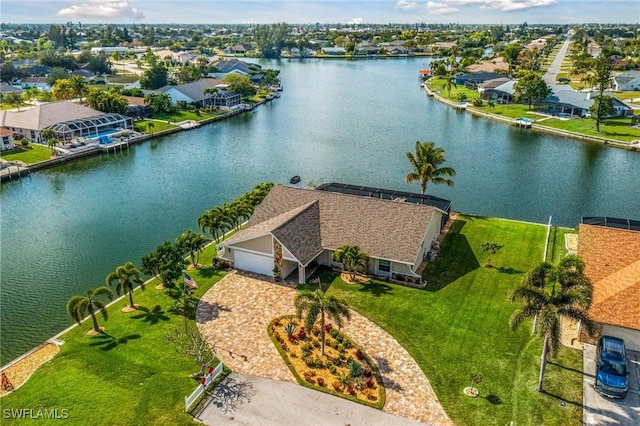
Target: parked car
[(611, 368)]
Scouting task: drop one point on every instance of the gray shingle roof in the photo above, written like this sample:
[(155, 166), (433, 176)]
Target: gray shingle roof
[(194, 90), (306, 221)]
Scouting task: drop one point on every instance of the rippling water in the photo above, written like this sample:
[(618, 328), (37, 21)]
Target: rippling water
[(64, 229)]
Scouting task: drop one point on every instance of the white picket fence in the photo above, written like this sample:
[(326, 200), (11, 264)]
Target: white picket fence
[(204, 384)]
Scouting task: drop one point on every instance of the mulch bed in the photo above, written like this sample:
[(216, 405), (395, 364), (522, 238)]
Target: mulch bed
[(20, 372)]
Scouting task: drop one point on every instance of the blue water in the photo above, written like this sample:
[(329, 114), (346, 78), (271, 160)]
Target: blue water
[(65, 228)]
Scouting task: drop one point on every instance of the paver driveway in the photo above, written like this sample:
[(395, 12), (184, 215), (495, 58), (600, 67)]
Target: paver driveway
[(234, 314)]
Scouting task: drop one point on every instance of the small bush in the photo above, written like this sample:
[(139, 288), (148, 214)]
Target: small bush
[(321, 382)]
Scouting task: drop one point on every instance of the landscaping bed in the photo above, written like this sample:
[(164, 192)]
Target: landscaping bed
[(344, 370)]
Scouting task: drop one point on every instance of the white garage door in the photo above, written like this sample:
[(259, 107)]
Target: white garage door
[(631, 337), (253, 262)]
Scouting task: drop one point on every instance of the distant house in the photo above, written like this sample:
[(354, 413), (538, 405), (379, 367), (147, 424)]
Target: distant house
[(39, 83), (498, 90), (475, 78), (629, 80), (37, 70), (238, 49), (490, 65), (227, 65), (565, 100), (195, 92), (610, 249), (395, 49), (67, 119), (6, 140), (223, 99), (136, 108), (367, 50), (191, 92), (334, 50), (294, 229), (7, 88)]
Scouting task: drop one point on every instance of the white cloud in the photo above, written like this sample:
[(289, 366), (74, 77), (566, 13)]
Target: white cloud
[(440, 8), (103, 9), (504, 5), (356, 21), (407, 5)]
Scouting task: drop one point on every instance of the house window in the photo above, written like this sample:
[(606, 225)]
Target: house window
[(384, 265)]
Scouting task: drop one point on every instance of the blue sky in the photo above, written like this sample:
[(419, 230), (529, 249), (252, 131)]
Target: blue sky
[(323, 11)]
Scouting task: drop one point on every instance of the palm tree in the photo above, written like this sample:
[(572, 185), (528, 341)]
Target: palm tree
[(215, 221), (550, 293), (449, 82), (77, 86), (127, 276), (62, 89), (351, 258), (79, 306), (317, 303), (425, 163), (192, 244)]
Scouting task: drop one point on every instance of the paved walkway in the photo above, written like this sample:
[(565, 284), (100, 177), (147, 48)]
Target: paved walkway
[(234, 314), (556, 64)]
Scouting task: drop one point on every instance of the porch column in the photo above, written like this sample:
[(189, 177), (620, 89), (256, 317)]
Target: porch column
[(302, 274)]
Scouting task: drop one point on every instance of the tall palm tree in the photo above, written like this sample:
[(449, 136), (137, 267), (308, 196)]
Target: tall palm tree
[(351, 258), (191, 244), (449, 82), (78, 87), (317, 303), (127, 277), (425, 163), (79, 306), (550, 294)]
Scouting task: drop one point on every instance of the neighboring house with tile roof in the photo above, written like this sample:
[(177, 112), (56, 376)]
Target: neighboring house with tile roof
[(68, 119), (612, 263), (6, 140), (296, 228)]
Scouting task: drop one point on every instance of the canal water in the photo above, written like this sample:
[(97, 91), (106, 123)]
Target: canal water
[(65, 228)]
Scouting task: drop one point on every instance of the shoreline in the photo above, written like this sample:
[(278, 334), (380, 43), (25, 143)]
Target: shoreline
[(56, 338), (96, 150), (538, 127)]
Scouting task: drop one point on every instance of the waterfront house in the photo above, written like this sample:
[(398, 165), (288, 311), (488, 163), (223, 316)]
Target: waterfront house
[(629, 80), (334, 50), (472, 79), (498, 90), (564, 100), (489, 90), (6, 140), (295, 229), (226, 66), (67, 119), (610, 249), (224, 99)]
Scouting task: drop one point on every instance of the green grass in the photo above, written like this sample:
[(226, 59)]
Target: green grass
[(129, 375), (618, 128), (459, 325), (557, 247), (182, 116), (36, 154), (123, 78), (630, 94), (158, 126)]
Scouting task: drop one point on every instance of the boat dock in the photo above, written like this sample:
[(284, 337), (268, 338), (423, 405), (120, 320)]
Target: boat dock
[(10, 170), (523, 122)]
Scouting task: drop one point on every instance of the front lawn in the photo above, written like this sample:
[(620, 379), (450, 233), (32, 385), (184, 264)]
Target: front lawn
[(459, 325), (36, 154), (129, 375)]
